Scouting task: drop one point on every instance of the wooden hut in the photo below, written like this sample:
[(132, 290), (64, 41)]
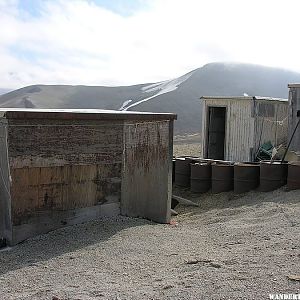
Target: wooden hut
[(233, 128), (62, 167)]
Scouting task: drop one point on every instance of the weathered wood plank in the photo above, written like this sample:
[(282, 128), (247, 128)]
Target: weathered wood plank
[(44, 143), (61, 188), (146, 174)]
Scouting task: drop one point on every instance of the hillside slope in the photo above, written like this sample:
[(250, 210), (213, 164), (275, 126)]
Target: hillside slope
[(180, 95)]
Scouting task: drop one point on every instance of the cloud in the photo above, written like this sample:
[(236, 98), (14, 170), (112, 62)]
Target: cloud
[(80, 42)]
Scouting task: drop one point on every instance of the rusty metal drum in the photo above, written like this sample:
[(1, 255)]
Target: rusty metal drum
[(293, 179), (182, 172), (193, 159), (200, 177), (222, 176), (246, 177), (273, 175)]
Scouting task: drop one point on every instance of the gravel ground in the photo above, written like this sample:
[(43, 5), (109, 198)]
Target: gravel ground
[(231, 247), (192, 149)]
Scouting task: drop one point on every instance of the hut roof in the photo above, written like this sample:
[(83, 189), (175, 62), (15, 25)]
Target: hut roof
[(85, 114), (294, 85), (249, 98)]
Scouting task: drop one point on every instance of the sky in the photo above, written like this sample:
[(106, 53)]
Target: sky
[(119, 42)]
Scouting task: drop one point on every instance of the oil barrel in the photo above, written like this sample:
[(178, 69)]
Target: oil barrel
[(182, 172), (273, 175), (222, 177), (200, 177), (246, 177), (293, 179), (193, 159)]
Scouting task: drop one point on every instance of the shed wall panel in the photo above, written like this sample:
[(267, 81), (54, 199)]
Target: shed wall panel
[(34, 190), (147, 169), (44, 143)]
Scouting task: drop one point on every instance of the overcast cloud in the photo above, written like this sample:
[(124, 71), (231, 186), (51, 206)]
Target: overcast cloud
[(81, 42)]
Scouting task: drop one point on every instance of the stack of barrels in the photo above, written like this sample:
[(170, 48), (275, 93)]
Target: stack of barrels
[(202, 175)]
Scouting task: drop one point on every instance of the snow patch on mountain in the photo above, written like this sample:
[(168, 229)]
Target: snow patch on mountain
[(125, 103), (160, 88)]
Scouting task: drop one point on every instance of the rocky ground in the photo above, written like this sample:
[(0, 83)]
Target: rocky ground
[(187, 149), (187, 145), (230, 247)]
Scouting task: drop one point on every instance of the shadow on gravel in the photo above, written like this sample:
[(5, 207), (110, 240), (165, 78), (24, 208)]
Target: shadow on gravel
[(34, 251)]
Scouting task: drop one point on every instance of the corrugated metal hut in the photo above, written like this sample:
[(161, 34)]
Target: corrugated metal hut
[(62, 167), (233, 128), (294, 115)]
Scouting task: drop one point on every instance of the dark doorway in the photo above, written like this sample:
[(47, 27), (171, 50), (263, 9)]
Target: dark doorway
[(216, 132)]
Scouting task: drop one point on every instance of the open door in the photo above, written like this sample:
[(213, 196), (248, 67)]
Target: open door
[(216, 132)]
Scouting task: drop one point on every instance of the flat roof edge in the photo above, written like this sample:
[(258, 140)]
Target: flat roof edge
[(248, 98), (291, 85), (227, 97), (84, 115)]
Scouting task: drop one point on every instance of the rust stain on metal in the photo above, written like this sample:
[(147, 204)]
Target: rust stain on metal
[(146, 171), (148, 144)]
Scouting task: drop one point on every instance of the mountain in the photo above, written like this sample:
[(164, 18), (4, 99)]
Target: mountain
[(180, 95)]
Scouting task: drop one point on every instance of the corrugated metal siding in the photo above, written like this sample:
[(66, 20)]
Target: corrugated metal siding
[(249, 124), (294, 101), (239, 128), (239, 131), (273, 126)]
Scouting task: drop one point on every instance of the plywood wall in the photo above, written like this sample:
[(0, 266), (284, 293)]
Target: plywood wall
[(62, 165)]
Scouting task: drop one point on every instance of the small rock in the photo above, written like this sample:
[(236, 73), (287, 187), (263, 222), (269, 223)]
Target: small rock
[(172, 254), (166, 287), (215, 265), (294, 277), (192, 261)]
